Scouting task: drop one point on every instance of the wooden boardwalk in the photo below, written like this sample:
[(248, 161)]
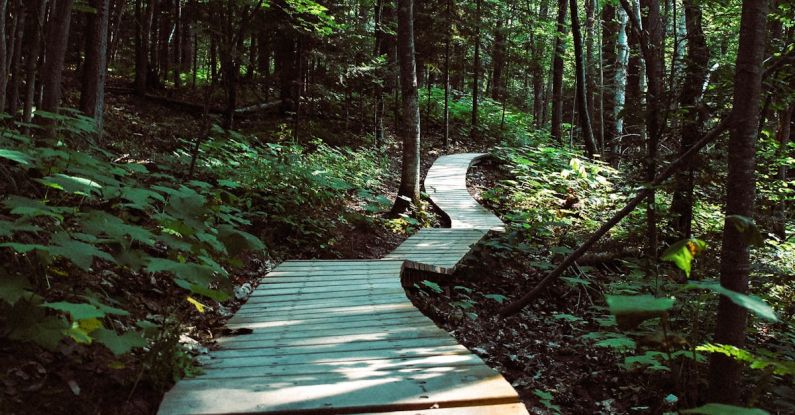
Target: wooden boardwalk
[(341, 337)]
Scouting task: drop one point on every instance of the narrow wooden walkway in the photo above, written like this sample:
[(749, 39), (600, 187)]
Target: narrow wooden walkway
[(341, 337)]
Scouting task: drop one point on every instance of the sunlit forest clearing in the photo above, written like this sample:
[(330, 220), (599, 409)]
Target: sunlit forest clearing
[(398, 207)]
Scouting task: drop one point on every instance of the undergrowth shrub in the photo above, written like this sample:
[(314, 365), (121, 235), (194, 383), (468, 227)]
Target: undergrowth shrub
[(297, 195)]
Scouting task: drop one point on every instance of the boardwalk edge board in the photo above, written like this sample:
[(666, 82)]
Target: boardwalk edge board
[(341, 336)]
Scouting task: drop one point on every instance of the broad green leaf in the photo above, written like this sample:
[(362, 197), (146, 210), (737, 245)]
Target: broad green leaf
[(682, 253), (24, 206), (79, 253), (747, 227), (618, 343), (752, 303), (187, 271), (631, 310), (496, 297), (98, 223), (723, 409), (30, 323), (119, 345), (433, 286), (779, 367), (78, 311), (8, 228), (140, 198), (15, 156), (72, 184), (13, 288), (237, 241), (566, 317)]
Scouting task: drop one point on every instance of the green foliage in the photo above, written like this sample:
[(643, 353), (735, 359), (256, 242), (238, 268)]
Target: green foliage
[(749, 302), (775, 366), (683, 252), (89, 213), (299, 194), (546, 399), (630, 311), (723, 409)]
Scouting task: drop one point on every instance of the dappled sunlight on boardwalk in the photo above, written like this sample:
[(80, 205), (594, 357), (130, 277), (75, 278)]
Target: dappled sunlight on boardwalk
[(329, 337)]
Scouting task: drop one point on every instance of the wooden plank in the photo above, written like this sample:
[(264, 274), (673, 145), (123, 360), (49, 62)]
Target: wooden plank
[(324, 318), (367, 331), (412, 347), (311, 289), (402, 333), (365, 351), (338, 308), (357, 369), (504, 409), (310, 394), (298, 325), (358, 292)]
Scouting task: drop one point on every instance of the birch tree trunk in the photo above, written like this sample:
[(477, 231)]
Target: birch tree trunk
[(620, 82)]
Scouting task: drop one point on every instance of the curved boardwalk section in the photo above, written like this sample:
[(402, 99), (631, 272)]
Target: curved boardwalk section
[(341, 337)]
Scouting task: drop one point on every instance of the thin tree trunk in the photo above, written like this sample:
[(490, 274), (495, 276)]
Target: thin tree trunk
[(177, 40), (783, 138), (448, 40), (16, 60), (38, 10), (409, 191), (696, 73), (609, 66), (498, 60), (538, 46), (57, 39), (92, 96), (557, 73), (476, 72), (582, 87), (3, 54), (620, 83), (725, 372)]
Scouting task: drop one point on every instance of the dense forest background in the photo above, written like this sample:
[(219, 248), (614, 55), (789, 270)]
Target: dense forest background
[(159, 156)]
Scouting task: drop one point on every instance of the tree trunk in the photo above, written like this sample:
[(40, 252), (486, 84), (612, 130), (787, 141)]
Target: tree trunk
[(498, 60), (57, 38), (725, 372), (591, 68), (537, 72), (557, 73), (476, 72), (409, 191), (92, 96), (620, 83), (177, 41), (609, 64), (3, 54), (697, 61), (783, 138), (16, 60), (582, 87), (38, 10), (447, 41)]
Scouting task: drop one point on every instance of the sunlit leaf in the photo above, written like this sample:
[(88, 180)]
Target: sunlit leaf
[(723, 409)]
